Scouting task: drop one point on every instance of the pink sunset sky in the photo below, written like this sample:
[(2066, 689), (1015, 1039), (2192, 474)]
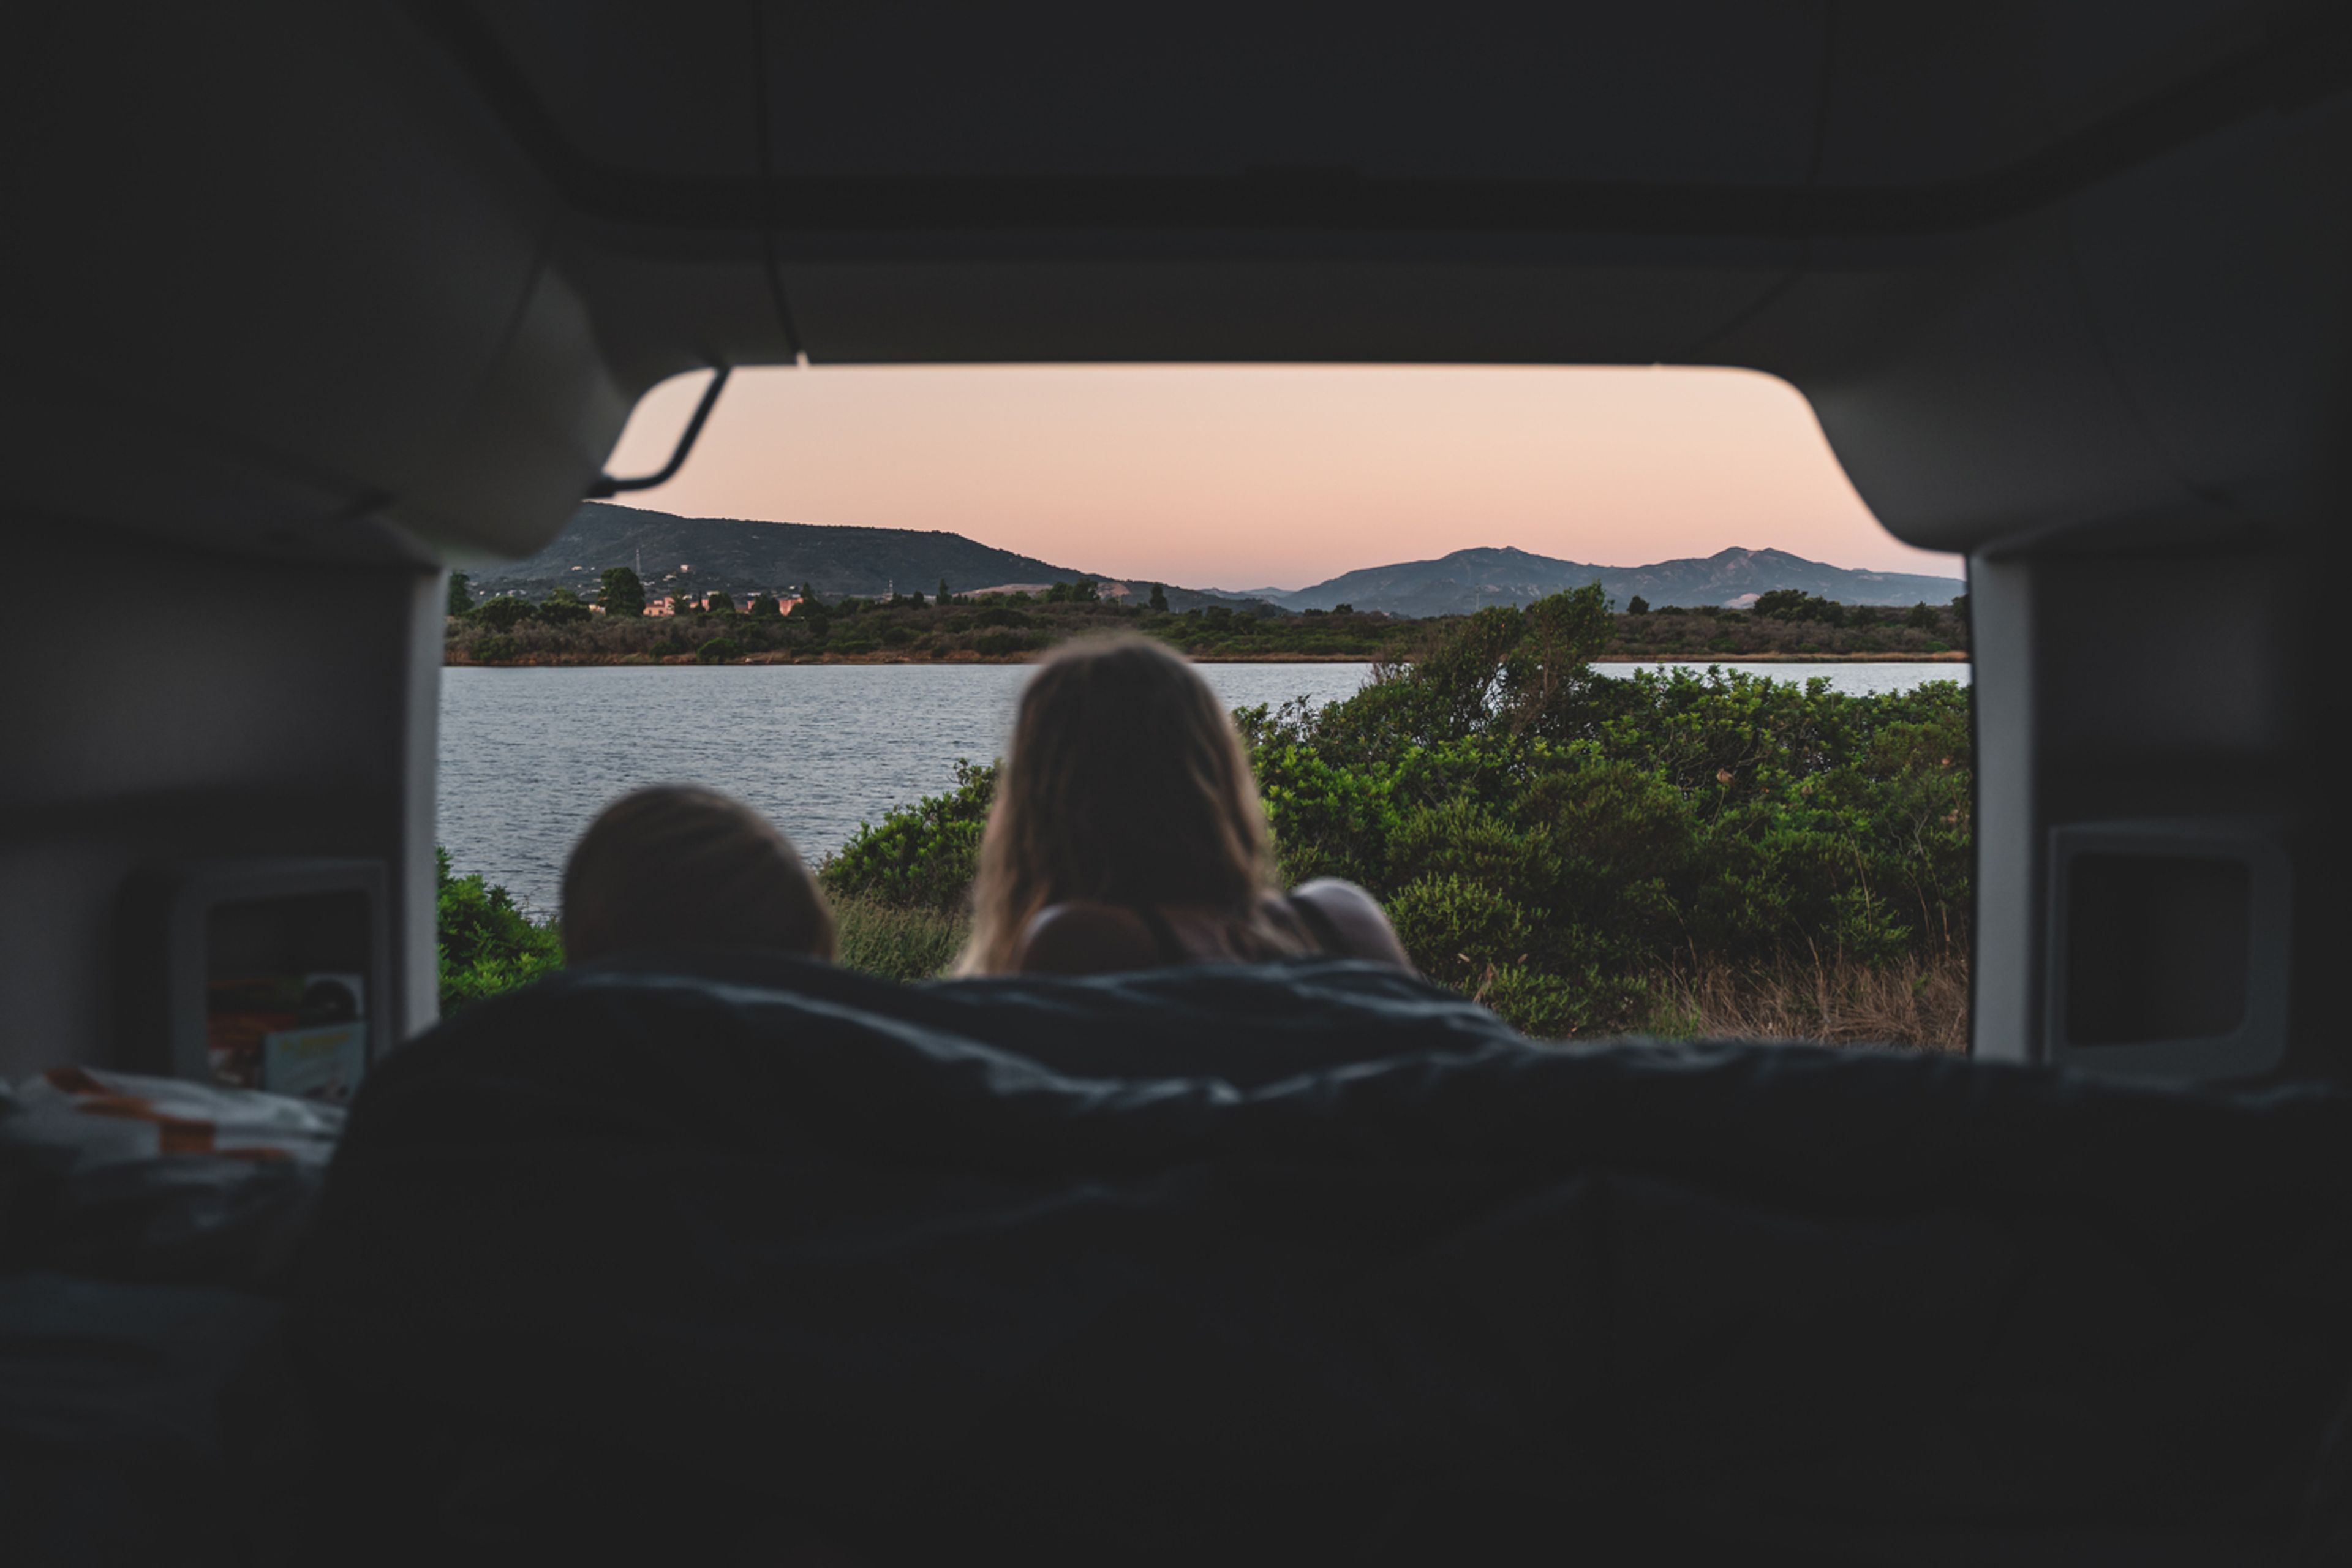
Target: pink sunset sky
[(1275, 476)]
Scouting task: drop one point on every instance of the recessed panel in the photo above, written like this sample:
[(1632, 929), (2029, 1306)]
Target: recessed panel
[(2169, 947), (2156, 948)]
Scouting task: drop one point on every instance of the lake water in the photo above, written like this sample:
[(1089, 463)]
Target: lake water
[(528, 756)]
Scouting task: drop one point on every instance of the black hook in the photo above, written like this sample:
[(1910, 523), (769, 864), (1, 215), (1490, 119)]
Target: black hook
[(606, 485)]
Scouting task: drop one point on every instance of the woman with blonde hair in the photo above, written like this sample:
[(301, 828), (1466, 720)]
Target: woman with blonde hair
[(1128, 834)]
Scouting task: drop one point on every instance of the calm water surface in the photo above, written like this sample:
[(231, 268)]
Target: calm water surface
[(528, 756)]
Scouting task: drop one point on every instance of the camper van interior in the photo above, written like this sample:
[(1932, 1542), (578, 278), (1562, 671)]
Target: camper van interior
[(311, 304)]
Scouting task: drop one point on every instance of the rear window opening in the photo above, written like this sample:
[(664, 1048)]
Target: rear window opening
[(1740, 805)]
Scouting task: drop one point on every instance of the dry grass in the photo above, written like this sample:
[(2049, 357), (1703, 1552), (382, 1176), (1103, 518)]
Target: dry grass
[(897, 944), (1833, 1000)]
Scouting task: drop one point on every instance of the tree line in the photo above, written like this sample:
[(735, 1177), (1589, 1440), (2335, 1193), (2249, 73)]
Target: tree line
[(563, 627)]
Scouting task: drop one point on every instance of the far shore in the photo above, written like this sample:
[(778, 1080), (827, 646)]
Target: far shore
[(543, 661), (1953, 655)]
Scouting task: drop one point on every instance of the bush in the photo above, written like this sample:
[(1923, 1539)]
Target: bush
[(484, 944), (920, 857), (717, 650), (495, 649), (1457, 929), (1530, 830), (666, 647)]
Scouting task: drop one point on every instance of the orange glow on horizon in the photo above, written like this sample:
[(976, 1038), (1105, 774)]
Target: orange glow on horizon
[(1248, 476)]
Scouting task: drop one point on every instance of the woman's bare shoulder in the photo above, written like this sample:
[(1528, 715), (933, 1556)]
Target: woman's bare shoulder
[(1356, 917), (1083, 938)]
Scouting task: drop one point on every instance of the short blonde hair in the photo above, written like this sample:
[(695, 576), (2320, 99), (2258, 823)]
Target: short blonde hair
[(681, 865)]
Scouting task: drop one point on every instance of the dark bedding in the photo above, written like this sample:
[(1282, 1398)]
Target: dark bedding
[(1312, 1256)]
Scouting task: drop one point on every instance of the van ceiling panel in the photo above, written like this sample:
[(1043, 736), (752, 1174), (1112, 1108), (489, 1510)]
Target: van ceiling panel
[(1573, 308), (1223, 87), (282, 243), (410, 263), (1214, 89), (2224, 264), (1725, 116)]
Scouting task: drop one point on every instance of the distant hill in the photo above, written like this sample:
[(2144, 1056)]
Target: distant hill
[(740, 556), (1468, 579)]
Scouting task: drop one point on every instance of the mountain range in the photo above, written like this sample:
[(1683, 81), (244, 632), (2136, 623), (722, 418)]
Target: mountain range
[(1470, 579), (674, 553)]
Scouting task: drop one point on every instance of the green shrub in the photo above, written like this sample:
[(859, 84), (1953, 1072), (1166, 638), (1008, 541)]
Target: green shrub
[(1548, 1006), (1003, 644), (1455, 929), (484, 944), (717, 650), (496, 649), (666, 647), (921, 856)]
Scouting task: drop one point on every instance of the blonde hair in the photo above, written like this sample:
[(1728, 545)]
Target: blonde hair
[(681, 865), (1125, 784)]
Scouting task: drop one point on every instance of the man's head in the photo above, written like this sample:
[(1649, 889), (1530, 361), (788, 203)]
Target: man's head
[(681, 865)]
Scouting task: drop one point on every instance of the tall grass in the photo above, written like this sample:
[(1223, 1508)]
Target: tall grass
[(1832, 1000), (896, 943)]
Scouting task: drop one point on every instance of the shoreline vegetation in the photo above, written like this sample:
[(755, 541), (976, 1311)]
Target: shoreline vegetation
[(1664, 853), (566, 631)]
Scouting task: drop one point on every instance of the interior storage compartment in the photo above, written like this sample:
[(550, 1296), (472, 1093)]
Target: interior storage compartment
[(256, 974), (2171, 943)]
